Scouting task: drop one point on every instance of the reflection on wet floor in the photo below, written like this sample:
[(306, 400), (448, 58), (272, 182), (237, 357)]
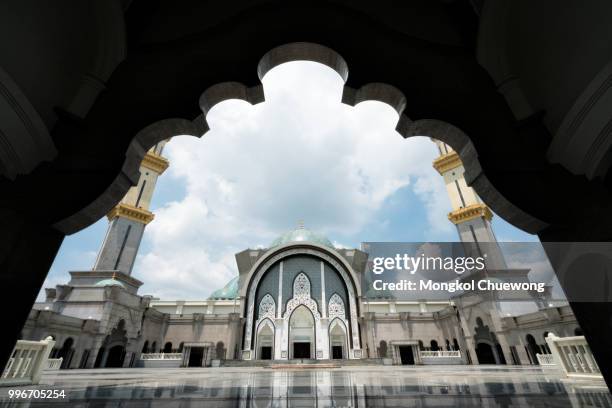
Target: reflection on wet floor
[(355, 387)]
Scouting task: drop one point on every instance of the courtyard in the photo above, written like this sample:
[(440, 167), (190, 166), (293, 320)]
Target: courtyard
[(356, 386)]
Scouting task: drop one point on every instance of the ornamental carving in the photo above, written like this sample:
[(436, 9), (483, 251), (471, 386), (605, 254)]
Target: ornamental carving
[(301, 296), (301, 286), (265, 266), (335, 308), (267, 307)]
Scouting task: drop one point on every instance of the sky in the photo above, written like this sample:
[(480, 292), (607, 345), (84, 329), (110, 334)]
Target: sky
[(301, 155)]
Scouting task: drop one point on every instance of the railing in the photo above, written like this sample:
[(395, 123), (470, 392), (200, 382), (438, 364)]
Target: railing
[(161, 356), (27, 362), (574, 355), (440, 353), (54, 363), (546, 359)]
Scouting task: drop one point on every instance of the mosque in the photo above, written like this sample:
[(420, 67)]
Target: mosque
[(299, 299)]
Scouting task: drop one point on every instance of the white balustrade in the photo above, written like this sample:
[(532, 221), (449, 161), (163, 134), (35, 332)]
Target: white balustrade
[(161, 356), (440, 353), (54, 363), (546, 359), (574, 355), (27, 362)]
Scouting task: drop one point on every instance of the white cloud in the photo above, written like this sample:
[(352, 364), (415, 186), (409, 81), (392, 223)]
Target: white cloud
[(301, 155)]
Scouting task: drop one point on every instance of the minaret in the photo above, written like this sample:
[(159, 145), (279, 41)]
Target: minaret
[(127, 220), (470, 215)]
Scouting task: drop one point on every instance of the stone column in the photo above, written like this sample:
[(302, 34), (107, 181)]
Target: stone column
[(368, 328)]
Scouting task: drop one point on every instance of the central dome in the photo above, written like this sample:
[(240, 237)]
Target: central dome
[(301, 234)]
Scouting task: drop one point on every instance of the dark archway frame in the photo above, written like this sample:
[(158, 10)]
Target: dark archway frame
[(157, 84)]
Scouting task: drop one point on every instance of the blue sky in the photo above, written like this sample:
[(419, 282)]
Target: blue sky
[(301, 155)]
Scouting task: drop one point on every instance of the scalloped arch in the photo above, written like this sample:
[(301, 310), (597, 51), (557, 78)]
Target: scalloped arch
[(298, 51)]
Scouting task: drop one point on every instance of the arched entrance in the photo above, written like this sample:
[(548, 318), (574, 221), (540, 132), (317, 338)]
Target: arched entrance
[(301, 334), (265, 341), (484, 353), (338, 341)]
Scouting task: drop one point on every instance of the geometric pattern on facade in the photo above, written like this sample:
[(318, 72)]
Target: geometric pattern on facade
[(265, 266), (267, 307), (301, 296), (336, 307)]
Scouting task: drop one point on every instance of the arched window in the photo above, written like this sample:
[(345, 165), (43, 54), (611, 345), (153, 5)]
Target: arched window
[(532, 348), (66, 352), (168, 347), (421, 345), (180, 349), (154, 347), (220, 349), (456, 345), (145, 347), (382, 350), (448, 346), (434, 345)]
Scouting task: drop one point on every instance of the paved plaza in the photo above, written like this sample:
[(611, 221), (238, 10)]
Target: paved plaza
[(365, 386)]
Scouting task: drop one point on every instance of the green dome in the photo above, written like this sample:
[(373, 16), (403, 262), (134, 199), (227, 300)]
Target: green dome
[(229, 291), (110, 282), (301, 234)]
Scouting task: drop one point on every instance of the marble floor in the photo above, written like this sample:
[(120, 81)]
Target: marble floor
[(371, 386)]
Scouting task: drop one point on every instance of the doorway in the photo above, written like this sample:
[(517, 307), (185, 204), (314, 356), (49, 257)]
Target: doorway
[(301, 350), (485, 355), (265, 340), (115, 357), (301, 333), (195, 357), (266, 353), (337, 340), (406, 355)]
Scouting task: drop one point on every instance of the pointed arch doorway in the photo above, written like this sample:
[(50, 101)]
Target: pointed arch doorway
[(302, 334)]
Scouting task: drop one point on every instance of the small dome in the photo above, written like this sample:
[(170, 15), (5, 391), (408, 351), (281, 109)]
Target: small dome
[(301, 234), (229, 291), (110, 282)]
